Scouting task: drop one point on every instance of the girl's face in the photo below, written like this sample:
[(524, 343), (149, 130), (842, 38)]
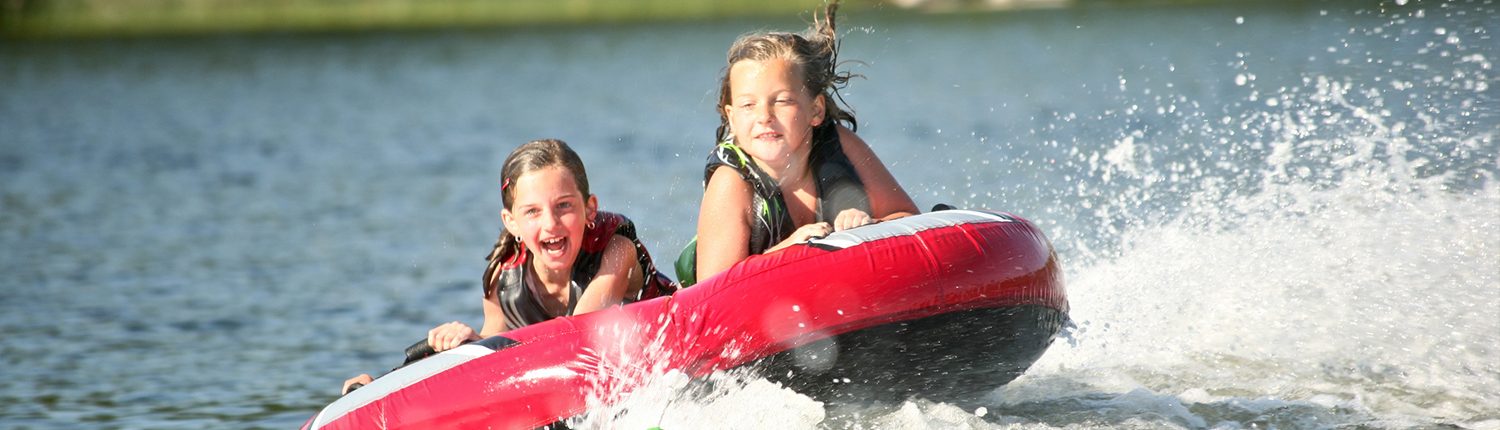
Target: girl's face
[(548, 213), (770, 113)]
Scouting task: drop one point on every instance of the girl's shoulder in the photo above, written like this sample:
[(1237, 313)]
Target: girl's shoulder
[(738, 164), (847, 139), (855, 148), (726, 154), (605, 226)]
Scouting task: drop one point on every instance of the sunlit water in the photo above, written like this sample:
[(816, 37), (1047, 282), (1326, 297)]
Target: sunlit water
[(1270, 216)]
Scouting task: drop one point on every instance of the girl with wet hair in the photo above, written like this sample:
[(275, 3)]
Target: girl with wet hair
[(787, 166), (557, 254), (580, 259)]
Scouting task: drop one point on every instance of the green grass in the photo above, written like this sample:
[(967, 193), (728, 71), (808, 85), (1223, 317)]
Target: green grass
[(95, 18), (114, 18)]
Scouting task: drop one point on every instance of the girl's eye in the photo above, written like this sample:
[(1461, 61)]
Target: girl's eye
[(784, 101), (532, 211), (565, 205)]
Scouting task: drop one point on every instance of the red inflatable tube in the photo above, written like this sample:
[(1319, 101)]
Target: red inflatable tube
[(940, 303)]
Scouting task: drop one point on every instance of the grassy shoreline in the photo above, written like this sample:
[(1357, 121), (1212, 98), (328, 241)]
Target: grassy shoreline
[(82, 19), (93, 18)]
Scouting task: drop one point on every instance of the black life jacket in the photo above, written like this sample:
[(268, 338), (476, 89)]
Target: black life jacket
[(839, 188), (519, 301)]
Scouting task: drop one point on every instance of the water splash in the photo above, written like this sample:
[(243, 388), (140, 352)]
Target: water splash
[(633, 384), (1336, 264)]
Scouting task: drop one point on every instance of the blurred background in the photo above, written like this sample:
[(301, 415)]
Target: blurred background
[(73, 18), (1272, 214)]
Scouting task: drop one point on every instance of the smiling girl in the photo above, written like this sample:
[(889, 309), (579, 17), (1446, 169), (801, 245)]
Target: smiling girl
[(558, 254), (788, 166)]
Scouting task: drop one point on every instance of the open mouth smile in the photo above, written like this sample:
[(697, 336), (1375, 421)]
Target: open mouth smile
[(554, 247), (770, 135)]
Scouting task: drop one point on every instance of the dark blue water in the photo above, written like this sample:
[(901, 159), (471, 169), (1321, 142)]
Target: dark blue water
[(1271, 215)]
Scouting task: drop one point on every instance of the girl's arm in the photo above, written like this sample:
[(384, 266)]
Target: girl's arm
[(453, 334), (617, 273), (803, 234), (494, 317), (723, 222), (887, 199)]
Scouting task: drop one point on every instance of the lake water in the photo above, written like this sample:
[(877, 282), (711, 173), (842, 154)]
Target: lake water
[(1281, 215)]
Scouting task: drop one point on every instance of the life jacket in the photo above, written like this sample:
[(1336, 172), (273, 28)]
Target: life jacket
[(838, 186), (522, 307)]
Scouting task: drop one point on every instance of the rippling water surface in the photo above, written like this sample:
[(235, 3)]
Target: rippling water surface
[(1270, 215)]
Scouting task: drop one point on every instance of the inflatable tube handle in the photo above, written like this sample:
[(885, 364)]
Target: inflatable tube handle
[(418, 351)]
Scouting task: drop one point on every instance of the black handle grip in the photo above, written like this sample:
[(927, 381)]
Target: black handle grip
[(418, 351)]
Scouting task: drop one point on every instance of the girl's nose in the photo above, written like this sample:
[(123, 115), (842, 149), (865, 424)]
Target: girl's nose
[(763, 113), (547, 221), (554, 219)]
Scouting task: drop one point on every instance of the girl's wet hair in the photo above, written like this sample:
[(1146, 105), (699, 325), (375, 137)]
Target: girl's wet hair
[(532, 156), (814, 54)]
